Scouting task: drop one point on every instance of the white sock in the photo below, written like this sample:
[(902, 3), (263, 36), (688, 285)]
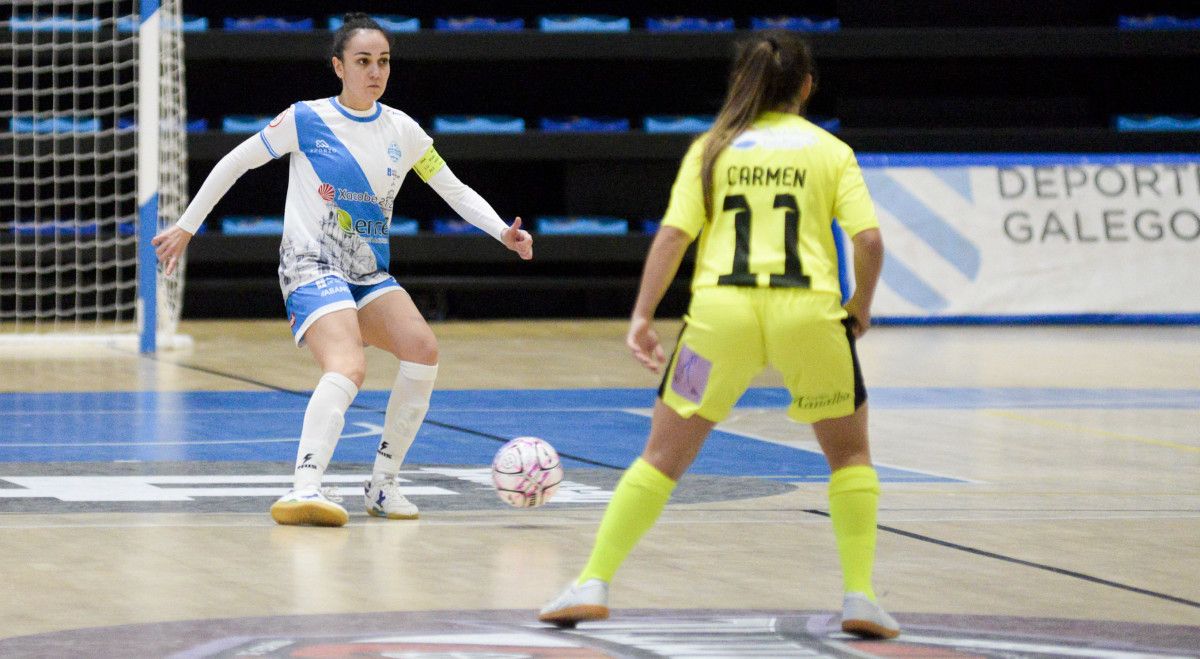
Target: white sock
[(323, 421), (405, 411)]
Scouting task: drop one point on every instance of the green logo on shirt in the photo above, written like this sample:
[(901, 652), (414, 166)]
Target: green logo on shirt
[(344, 220)]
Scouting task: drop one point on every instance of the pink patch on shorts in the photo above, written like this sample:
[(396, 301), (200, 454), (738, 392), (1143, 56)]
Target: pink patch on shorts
[(690, 378)]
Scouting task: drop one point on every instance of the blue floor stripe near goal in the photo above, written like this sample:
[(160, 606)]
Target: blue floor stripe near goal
[(589, 427)]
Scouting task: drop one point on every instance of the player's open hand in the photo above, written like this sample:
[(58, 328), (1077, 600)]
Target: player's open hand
[(518, 240), (169, 246), (643, 342)]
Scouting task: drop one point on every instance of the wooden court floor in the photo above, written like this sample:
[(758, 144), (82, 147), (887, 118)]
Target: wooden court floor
[(1071, 459)]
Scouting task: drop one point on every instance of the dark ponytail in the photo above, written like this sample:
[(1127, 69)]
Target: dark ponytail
[(351, 23), (768, 74)]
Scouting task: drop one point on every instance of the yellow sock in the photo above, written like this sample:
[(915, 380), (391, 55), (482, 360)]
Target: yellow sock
[(637, 501), (853, 505)]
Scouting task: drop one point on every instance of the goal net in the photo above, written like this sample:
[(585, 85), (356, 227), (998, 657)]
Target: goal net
[(93, 160)]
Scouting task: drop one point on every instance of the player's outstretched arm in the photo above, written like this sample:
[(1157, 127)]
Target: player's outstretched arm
[(518, 240), (170, 243)]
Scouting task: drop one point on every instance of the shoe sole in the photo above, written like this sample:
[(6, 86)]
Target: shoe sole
[(572, 615), (308, 513), (374, 513), (868, 629)]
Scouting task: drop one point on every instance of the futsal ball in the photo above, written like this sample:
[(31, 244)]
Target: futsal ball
[(526, 472)]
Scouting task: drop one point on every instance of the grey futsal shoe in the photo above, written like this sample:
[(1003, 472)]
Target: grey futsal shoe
[(862, 617), (578, 603)]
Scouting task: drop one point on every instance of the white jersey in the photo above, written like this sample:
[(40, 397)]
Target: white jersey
[(346, 169)]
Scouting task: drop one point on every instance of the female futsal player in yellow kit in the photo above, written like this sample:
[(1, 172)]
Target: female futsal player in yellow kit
[(760, 189)]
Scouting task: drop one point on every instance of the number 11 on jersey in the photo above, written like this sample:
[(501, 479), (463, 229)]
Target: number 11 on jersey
[(793, 273)]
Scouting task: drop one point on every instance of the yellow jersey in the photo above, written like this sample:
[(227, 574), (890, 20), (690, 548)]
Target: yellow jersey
[(777, 188)]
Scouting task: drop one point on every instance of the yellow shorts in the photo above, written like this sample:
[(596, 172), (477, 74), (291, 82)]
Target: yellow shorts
[(731, 333)]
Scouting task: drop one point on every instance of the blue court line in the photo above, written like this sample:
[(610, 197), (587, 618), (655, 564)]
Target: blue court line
[(15, 405), (465, 427)]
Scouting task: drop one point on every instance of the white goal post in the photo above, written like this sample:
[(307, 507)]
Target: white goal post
[(93, 161)]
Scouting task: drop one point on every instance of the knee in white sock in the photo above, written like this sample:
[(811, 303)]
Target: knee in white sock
[(323, 421), (407, 405)]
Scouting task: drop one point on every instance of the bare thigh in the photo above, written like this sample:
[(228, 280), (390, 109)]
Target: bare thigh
[(337, 344), (393, 323)]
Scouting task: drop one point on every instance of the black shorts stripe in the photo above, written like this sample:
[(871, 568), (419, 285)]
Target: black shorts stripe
[(662, 386), (860, 389)]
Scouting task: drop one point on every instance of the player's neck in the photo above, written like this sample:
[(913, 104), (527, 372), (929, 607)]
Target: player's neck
[(360, 105)]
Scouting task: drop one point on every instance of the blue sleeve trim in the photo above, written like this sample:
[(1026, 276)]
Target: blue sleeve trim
[(1046, 319), (268, 145)]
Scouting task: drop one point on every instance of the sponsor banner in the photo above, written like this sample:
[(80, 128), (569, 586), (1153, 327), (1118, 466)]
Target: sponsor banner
[(1038, 236)]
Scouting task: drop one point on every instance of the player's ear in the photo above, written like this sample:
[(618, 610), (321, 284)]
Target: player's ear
[(806, 89), (336, 63)]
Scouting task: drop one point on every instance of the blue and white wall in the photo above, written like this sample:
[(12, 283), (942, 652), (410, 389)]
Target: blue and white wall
[(997, 237)]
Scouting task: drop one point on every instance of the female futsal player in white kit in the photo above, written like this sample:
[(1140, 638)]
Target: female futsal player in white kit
[(349, 156)]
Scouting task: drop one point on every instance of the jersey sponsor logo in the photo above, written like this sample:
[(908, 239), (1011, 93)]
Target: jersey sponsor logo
[(350, 195), (394, 152), (322, 146), (774, 139), (342, 289), (822, 400), (349, 224), (326, 191), (384, 203)]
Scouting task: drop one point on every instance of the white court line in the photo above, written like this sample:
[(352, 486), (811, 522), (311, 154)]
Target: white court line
[(300, 409), (779, 442), (260, 522), (1036, 648), (370, 430), (421, 522), (165, 410)]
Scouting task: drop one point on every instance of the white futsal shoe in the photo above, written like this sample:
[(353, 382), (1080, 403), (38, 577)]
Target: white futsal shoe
[(862, 617), (383, 499), (308, 506), (578, 603)]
